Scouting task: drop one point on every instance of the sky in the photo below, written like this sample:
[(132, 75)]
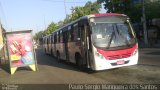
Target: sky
[(35, 15)]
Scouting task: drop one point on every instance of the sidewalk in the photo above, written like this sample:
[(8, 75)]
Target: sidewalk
[(151, 45), (149, 56)]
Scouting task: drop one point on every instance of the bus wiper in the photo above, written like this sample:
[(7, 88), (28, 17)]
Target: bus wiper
[(122, 36), (110, 40), (125, 39)]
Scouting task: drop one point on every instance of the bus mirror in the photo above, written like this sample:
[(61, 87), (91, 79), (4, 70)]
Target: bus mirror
[(78, 39)]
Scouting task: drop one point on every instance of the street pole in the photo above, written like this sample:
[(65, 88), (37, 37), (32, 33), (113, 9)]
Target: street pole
[(144, 25), (65, 7)]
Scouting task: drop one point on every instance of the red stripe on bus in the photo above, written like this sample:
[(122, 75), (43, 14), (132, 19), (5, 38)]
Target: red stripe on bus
[(118, 54), (109, 14)]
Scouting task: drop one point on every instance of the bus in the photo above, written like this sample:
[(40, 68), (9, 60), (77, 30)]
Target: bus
[(97, 42), (47, 44)]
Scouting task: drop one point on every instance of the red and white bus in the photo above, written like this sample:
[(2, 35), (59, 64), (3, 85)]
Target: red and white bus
[(47, 44), (98, 42)]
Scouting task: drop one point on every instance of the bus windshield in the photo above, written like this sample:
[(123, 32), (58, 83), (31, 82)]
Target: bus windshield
[(116, 33)]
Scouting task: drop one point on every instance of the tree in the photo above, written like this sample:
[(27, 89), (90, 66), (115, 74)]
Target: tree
[(89, 8), (120, 6), (67, 19), (77, 12), (39, 35), (152, 9), (60, 23), (134, 11), (51, 27)]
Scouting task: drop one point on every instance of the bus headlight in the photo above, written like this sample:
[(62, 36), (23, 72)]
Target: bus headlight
[(135, 51), (99, 55)]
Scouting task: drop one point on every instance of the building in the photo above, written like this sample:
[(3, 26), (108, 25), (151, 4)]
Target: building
[(2, 45), (2, 31)]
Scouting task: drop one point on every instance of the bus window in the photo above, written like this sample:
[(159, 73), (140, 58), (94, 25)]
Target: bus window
[(76, 33), (65, 36), (61, 37), (58, 37), (47, 40), (82, 32), (52, 41), (71, 36), (55, 38)]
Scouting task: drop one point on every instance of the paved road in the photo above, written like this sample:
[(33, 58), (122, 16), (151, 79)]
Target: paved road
[(149, 56), (147, 71), (52, 72), (49, 72)]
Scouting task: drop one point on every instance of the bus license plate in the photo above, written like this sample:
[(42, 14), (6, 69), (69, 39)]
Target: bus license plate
[(120, 62)]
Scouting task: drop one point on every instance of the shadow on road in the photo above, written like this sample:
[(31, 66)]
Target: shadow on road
[(5, 67), (44, 59), (154, 53)]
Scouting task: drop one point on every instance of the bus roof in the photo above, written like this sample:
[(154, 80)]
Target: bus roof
[(108, 14), (90, 16), (47, 36)]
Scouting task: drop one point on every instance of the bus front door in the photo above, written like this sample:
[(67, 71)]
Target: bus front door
[(84, 46)]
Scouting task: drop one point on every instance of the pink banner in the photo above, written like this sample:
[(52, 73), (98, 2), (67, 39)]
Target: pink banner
[(20, 49)]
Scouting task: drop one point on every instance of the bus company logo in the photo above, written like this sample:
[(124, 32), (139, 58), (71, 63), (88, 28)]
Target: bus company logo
[(84, 87), (113, 87)]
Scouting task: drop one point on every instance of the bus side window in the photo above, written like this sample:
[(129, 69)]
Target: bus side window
[(76, 33), (68, 36), (47, 40), (61, 37), (71, 36), (65, 37), (58, 37), (52, 39), (55, 38), (82, 32)]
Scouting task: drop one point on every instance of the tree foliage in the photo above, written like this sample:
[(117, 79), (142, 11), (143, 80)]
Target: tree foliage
[(79, 11), (89, 8), (134, 11), (76, 12), (51, 27), (116, 5), (39, 35), (152, 9)]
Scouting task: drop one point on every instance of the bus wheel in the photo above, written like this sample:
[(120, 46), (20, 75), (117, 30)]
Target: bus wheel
[(78, 61)]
